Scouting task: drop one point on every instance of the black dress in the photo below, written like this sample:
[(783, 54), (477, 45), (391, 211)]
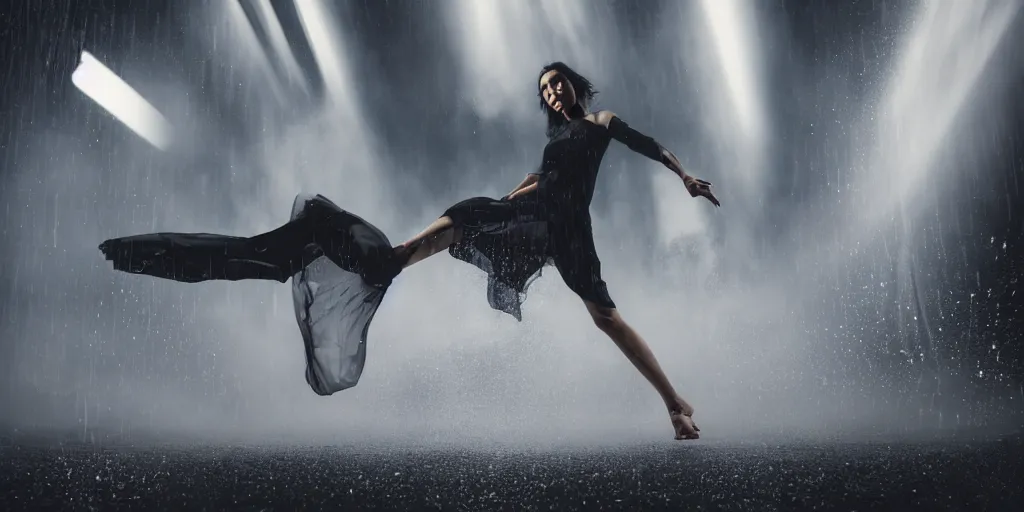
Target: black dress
[(341, 265), (513, 240)]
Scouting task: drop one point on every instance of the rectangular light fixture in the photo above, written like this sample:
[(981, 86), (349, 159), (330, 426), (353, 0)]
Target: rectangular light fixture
[(108, 90)]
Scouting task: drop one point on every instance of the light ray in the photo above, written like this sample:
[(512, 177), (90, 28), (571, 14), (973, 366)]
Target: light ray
[(275, 33), (112, 93), (246, 35), (732, 28), (502, 43), (327, 51)]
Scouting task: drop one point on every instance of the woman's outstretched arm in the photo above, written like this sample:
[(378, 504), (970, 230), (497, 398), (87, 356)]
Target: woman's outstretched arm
[(646, 146)]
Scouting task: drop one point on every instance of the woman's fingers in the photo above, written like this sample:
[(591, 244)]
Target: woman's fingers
[(699, 187)]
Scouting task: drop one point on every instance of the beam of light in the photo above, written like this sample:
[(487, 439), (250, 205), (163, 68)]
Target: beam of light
[(732, 27), (267, 18), (327, 150), (344, 114), (731, 24), (109, 91), (250, 45), (503, 44), (729, 67), (938, 70), (328, 52), (936, 75)]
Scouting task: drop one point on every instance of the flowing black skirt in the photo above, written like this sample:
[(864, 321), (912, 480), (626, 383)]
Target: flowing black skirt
[(341, 266), (513, 240)]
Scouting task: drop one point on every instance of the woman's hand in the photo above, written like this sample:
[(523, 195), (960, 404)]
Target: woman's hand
[(698, 187), (525, 190), (531, 179)]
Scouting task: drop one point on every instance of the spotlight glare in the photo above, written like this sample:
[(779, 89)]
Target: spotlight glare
[(118, 98)]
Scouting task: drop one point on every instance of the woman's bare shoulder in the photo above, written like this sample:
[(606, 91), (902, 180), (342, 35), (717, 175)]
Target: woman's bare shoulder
[(601, 117)]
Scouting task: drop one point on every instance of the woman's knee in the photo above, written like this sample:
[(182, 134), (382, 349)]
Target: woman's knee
[(444, 238), (605, 318)]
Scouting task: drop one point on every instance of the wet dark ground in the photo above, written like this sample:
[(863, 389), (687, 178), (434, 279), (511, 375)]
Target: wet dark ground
[(952, 475)]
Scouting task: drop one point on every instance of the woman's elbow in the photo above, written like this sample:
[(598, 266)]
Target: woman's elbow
[(655, 152)]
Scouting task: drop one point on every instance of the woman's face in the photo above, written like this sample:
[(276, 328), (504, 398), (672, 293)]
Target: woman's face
[(557, 92)]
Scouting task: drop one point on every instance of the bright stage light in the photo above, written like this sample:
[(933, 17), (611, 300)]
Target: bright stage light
[(108, 90)]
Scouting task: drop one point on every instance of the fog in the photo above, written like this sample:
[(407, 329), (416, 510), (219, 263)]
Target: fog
[(828, 295)]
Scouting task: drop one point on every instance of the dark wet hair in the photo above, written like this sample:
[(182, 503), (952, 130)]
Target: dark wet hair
[(585, 92)]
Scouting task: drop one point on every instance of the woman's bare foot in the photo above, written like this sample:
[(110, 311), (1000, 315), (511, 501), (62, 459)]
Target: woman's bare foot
[(681, 414)]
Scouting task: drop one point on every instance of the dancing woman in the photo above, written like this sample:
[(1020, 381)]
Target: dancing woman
[(341, 265)]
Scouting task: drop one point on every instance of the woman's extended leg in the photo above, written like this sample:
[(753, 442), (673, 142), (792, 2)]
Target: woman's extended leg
[(438, 236), (636, 350), (477, 214)]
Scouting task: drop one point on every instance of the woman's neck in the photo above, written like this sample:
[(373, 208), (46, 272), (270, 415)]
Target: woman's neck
[(576, 112)]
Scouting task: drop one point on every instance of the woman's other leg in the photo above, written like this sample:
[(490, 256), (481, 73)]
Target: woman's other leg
[(577, 261), (609, 321), (481, 214)]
